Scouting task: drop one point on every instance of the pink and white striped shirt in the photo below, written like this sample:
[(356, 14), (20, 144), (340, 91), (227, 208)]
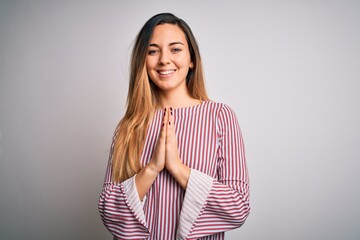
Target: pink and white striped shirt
[(217, 195)]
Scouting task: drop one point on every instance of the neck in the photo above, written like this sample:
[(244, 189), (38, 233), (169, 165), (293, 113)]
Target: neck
[(177, 99)]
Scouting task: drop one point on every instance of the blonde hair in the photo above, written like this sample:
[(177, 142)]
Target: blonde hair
[(142, 97)]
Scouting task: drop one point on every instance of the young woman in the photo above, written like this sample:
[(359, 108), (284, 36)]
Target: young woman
[(177, 166)]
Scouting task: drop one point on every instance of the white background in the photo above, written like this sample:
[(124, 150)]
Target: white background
[(289, 69)]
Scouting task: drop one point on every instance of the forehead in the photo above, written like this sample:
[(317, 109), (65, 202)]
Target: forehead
[(167, 33)]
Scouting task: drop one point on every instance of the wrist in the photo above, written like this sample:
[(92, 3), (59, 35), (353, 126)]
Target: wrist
[(152, 168), (181, 173), (175, 167)]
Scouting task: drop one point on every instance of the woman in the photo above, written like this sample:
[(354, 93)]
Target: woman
[(177, 166)]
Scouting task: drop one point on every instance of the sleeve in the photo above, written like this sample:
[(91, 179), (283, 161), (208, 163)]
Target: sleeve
[(213, 205), (120, 207)]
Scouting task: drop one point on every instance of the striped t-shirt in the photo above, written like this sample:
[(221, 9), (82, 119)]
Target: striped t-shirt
[(217, 195)]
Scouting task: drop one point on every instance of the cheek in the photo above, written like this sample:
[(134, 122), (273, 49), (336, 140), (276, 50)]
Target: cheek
[(149, 69), (151, 64)]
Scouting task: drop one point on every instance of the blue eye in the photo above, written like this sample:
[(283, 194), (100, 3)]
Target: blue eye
[(152, 52), (175, 50)]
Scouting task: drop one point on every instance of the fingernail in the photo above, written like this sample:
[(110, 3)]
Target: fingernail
[(171, 108), (163, 124), (169, 123), (165, 109)]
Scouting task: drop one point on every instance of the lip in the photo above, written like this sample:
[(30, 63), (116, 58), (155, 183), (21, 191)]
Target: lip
[(165, 73)]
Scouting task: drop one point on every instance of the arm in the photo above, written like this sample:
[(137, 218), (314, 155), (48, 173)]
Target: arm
[(120, 204), (120, 207), (213, 205)]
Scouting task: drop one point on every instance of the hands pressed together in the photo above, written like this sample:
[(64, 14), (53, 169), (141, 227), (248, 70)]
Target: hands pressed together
[(165, 156), (166, 153)]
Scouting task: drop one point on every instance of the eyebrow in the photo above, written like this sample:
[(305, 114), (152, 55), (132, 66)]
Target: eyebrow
[(170, 44)]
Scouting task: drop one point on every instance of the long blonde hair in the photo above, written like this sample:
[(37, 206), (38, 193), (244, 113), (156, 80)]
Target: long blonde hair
[(142, 97)]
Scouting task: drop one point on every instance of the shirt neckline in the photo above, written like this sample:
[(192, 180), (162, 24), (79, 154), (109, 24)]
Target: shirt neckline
[(188, 107)]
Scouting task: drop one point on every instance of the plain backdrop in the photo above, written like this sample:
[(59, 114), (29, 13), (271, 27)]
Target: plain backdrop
[(289, 69)]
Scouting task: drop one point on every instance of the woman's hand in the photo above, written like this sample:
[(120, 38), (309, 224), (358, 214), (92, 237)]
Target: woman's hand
[(147, 175), (166, 153), (171, 149), (172, 159), (157, 162)]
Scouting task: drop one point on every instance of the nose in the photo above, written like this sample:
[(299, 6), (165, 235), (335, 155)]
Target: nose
[(164, 58)]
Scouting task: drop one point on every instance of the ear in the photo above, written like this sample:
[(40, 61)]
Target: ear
[(191, 65)]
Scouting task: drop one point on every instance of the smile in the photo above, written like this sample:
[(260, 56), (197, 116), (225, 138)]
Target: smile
[(166, 73)]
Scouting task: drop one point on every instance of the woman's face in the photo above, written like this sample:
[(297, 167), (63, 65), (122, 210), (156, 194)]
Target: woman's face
[(168, 59)]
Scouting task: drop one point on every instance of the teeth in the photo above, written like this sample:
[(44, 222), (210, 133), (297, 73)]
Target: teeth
[(166, 72)]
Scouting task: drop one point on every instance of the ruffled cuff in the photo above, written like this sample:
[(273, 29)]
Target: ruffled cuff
[(197, 190), (133, 200)]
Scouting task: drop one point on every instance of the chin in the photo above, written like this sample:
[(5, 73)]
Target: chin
[(167, 85), (166, 88)]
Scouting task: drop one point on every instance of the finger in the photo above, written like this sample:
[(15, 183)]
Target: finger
[(171, 117), (164, 125), (171, 127)]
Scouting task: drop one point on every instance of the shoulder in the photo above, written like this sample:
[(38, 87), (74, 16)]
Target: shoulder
[(221, 109), (224, 116)]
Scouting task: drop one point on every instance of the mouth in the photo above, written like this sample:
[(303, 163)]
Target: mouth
[(166, 73)]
